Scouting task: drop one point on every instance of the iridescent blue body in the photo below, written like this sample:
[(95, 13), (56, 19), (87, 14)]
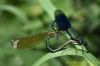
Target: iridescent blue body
[(61, 23)]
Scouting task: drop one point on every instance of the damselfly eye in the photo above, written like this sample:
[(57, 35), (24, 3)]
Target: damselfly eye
[(57, 12)]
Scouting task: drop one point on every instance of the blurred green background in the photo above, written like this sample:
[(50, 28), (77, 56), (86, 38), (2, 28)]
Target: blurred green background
[(21, 18)]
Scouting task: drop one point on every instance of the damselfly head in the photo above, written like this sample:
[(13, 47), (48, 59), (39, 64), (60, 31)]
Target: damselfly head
[(58, 12)]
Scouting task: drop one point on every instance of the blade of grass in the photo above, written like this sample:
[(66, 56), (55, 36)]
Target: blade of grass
[(16, 11), (48, 7), (63, 53)]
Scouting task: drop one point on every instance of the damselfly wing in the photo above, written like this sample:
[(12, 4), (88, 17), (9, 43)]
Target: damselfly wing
[(31, 41)]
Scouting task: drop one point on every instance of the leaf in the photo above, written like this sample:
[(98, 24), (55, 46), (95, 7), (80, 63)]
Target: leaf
[(92, 60)]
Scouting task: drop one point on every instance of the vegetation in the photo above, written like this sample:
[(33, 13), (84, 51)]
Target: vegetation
[(24, 18)]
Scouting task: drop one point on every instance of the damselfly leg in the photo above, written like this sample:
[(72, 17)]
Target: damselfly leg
[(48, 43)]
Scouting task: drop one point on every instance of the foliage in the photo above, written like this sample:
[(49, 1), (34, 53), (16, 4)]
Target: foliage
[(20, 18)]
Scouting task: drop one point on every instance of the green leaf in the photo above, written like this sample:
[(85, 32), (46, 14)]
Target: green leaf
[(91, 59)]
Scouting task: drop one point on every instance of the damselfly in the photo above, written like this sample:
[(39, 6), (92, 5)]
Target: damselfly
[(62, 24)]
